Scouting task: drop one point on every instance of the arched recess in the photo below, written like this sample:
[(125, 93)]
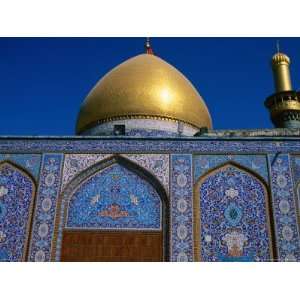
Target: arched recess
[(17, 198), (111, 211), (233, 219)]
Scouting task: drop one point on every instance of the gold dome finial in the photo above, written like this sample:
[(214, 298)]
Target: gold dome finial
[(281, 72), (148, 47)]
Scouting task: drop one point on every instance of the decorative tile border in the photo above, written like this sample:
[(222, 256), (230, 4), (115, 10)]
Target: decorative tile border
[(181, 208), (48, 191), (150, 145), (257, 163), (284, 208), (295, 165)]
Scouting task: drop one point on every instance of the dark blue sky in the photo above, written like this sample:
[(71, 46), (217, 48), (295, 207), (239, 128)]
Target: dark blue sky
[(44, 80)]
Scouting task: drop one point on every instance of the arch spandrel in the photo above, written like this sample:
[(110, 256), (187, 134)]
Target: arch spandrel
[(233, 219), (156, 164), (17, 193)]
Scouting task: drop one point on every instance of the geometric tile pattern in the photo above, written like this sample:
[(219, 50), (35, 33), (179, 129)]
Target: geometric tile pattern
[(48, 190), (17, 192), (115, 198), (234, 217), (181, 208), (284, 208)]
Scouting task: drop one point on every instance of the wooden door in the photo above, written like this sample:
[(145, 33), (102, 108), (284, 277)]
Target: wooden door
[(94, 245)]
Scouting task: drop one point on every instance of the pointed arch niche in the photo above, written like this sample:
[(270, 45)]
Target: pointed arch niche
[(232, 216), (17, 194), (113, 211)]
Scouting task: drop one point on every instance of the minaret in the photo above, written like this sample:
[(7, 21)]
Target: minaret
[(284, 105)]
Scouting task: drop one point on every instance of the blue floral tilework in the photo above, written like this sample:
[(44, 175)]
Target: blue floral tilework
[(49, 185), (181, 208), (284, 208), (234, 217), (256, 163), (295, 164), (16, 200), (115, 198)]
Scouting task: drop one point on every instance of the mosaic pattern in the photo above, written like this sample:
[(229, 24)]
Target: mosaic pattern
[(149, 145), (49, 185), (150, 133), (29, 162), (234, 222), (115, 198), (298, 204), (182, 208), (257, 163), (295, 163), (219, 146), (284, 208), (16, 200), (75, 163), (157, 164)]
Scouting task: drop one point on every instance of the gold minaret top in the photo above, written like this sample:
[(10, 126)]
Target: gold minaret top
[(281, 72), (284, 104)]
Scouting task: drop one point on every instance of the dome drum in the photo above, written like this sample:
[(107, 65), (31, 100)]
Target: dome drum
[(143, 126)]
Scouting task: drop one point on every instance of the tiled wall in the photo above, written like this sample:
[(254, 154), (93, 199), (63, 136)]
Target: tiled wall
[(263, 167)]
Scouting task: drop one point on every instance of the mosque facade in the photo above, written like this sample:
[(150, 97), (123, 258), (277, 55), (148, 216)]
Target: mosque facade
[(146, 178)]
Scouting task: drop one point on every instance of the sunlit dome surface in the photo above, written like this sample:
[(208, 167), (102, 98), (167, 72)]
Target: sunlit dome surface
[(144, 86)]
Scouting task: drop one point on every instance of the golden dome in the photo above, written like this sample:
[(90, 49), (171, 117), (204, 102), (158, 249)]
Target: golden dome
[(143, 86)]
